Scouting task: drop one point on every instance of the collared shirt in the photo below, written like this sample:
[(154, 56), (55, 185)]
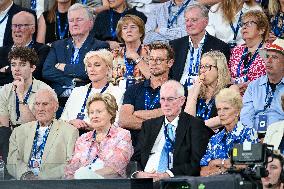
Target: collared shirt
[(184, 76), (155, 155), (3, 24), (115, 150), (254, 101), (220, 28), (221, 143), (8, 100), (75, 101), (159, 19)]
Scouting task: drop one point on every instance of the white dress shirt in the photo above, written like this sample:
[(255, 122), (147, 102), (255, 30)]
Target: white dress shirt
[(155, 155), (3, 24)]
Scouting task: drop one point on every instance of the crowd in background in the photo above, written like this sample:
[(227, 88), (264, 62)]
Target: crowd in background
[(89, 87)]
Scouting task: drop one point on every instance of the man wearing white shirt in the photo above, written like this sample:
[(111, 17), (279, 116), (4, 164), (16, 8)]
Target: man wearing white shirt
[(173, 144)]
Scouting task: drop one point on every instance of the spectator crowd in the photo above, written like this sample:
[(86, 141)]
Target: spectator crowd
[(88, 88)]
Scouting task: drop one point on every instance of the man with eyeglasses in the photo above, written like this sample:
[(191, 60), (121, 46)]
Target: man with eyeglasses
[(189, 49), (141, 101), (7, 10), (173, 144), (23, 29), (17, 97), (64, 67), (262, 98)]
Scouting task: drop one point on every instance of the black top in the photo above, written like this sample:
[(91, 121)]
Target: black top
[(52, 34), (102, 25), (135, 95)]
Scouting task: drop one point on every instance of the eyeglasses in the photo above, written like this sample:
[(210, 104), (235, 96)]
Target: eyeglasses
[(207, 67), (21, 26), (169, 99), (247, 24), (157, 60)]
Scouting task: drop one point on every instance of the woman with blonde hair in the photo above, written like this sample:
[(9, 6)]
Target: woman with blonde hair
[(225, 18), (213, 76), (98, 65), (276, 13), (216, 159), (106, 150)]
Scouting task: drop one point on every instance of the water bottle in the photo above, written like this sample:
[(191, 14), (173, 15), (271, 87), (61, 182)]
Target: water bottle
[(2, 168)]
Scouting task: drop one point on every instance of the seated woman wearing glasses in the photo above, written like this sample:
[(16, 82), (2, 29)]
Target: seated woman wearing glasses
[(245, 63), (216, 159), (105, 151), (213, 76)]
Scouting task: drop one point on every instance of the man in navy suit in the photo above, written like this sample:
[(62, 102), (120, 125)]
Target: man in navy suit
[(189, 49), (23, 28), (172, 144), (64, 66)]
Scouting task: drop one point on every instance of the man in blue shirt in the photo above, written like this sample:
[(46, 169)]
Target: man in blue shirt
[(141, 101), (262, 99)]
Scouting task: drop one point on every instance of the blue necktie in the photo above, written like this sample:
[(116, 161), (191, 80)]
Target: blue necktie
[(168, 147)]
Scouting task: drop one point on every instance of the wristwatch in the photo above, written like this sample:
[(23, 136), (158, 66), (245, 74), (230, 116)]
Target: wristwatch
[(138, 60), (22, 102)]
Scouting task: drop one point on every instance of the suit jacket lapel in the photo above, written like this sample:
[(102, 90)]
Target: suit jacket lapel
[(30, 140), (180, 133), (182, 60), (155, 129), (50, 140)]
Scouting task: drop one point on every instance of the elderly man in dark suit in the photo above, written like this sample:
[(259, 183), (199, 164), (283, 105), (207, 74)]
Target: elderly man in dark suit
[(64, 66), (189, 49), (23, 29), (172, 144)]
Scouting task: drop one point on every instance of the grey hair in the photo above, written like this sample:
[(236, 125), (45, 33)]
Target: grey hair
[(174, 85), (77, 6), (49, 91), (203, 9)]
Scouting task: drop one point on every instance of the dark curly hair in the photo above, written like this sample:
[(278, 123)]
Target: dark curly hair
[(24, 54)]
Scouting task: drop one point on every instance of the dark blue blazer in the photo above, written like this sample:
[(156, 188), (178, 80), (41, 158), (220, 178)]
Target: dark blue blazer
[(61, 52), (181, 46)]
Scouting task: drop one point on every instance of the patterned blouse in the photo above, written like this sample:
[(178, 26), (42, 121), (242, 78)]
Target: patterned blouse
[(115, 151), (277, 24), (256, 69), (221, 143)]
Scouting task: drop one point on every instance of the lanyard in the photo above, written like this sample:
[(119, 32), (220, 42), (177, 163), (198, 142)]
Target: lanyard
[(31, 44), (33, 4), (278, 31), (88, 93), (244, 55), (130, 64), (25, 101), (1, 21), (77, 54), (203, 108), (174, 17), (268, 98), (169, 144), (236, 30), (38, 149), (112, 25), (194, 67), (90, 148), (147, 102), (58, 23)]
